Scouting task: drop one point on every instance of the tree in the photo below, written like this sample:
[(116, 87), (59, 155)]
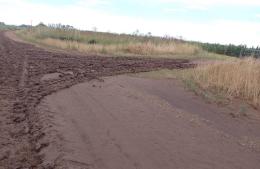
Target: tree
[(41, 24), (149, 34)]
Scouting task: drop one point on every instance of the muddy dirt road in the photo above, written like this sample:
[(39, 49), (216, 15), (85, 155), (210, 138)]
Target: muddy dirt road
[(28, 74)]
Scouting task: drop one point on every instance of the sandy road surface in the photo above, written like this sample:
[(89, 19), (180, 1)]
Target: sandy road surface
[(134, 123), (27, 75)]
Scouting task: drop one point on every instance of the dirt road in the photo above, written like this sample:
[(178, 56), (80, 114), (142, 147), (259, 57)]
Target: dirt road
[(135, 123), (28, 74)]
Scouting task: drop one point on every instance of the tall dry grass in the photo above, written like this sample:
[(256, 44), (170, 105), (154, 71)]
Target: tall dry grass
[(107, 43), (237, 78), (147, 48)]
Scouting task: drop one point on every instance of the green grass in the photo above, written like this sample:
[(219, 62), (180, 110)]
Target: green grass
[(88, 36)]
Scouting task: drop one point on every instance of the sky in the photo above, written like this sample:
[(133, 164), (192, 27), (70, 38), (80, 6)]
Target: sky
[(215, 21)]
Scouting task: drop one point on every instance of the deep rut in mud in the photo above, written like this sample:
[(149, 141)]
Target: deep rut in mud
[(22, 67)]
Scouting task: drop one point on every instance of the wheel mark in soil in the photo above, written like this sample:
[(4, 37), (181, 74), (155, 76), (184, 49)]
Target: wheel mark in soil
[(24, 72)]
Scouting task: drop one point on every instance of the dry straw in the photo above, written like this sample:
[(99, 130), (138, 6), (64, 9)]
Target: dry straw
[(239, 78), (106, 43)]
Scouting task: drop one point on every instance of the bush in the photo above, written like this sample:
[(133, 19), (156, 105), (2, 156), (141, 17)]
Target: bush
[(92, 42)]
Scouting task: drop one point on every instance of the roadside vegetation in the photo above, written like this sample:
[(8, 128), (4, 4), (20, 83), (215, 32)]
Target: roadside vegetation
[(231, 50), (228, 77), (220, 81), (3, 26), (238, 78), (68, 38)]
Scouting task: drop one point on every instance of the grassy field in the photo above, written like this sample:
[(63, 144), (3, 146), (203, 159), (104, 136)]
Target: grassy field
[(115, 44), (239, 78), (229, 78)]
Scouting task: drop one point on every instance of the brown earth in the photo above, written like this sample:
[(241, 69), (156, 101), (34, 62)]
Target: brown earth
[(137, 123), (59, 111), (28, 74)]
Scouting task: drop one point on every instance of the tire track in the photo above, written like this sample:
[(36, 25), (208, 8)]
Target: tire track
[(24, 72)]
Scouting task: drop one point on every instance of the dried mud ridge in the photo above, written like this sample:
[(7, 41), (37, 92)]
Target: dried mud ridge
[(21, 89)]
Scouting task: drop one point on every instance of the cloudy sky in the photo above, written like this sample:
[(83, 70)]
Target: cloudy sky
[(222, 21)]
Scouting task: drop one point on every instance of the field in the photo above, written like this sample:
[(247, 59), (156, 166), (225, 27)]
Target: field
[(115, 44), (77, 99), (229, 77)]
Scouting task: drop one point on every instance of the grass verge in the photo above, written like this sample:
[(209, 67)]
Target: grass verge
[(184, 76), (220, 81), (232, 79)]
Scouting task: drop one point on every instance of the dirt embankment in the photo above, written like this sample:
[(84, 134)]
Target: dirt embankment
[(23, 85)]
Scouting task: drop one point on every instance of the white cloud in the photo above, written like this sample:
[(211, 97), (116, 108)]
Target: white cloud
[(86, 17), (206, 4), (197, 7), (225, 31), (173, 10), (93, 2), (213, 2), (185, 9)]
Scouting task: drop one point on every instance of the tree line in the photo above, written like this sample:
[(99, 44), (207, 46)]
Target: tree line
[(232, 50)]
